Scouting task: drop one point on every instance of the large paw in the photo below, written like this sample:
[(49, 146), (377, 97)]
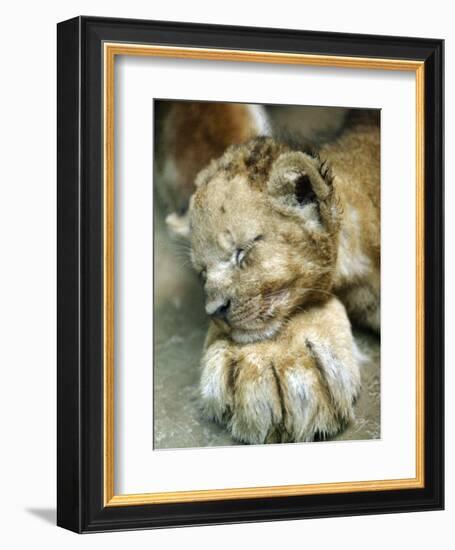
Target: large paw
[(289, 397), (274, 401), (267, 394)]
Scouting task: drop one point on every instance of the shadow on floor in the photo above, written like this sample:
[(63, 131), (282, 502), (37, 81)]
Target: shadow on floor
[(49, 515)]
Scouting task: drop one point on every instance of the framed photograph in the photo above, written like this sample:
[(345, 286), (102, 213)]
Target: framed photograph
[(250, 274)]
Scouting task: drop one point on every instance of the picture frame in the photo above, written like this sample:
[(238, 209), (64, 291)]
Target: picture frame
[(87, 50)]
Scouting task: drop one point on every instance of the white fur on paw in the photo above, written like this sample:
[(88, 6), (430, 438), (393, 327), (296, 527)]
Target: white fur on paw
[(214, 388), (253, 420), (256, 405), (301, 402), (342, 377)]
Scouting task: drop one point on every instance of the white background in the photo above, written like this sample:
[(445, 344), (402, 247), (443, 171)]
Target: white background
[(139, 468), (27, 289)]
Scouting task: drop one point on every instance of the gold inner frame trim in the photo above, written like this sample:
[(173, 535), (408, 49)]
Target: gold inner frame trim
[(110, 50)]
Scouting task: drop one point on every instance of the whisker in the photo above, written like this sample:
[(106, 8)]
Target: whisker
[(320, 290)]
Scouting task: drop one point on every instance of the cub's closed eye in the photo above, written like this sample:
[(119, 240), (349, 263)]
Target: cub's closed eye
[(240, 256), (241, 253)]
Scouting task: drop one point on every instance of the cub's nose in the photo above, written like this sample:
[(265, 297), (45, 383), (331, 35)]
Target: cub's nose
[(217, 310)]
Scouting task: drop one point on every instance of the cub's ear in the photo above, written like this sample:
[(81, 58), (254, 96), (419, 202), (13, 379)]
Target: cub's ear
[(179, 225), (299, 184)]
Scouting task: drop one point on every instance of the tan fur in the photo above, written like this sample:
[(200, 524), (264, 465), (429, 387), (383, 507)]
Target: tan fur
[(275, 234), (355, 160)]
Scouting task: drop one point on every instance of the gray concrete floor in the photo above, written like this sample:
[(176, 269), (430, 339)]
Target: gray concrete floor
[(180, 327)]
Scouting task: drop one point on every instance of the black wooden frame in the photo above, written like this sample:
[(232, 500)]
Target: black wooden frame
[(80, 281)]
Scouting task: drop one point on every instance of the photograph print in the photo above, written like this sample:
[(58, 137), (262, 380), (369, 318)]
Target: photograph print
[(266, 274)]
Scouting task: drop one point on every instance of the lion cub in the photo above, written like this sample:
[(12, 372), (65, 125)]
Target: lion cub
[(287, 244)]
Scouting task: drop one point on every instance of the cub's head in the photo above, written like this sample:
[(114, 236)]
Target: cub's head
[(263, 227)]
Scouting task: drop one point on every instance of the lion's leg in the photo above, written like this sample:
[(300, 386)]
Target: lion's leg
[(301, 384), (291, 388)]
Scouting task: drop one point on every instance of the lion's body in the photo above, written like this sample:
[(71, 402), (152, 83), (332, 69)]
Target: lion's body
[(355, 161)]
